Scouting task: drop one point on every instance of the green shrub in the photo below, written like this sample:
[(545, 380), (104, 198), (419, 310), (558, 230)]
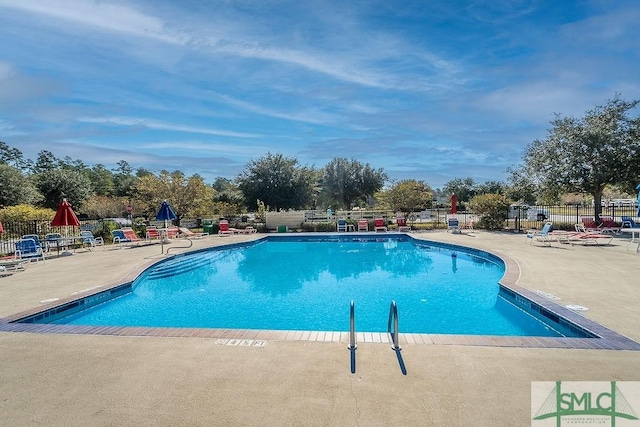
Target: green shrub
[(492, 209)]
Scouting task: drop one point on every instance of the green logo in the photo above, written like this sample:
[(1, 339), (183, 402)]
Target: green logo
[(585, 403)]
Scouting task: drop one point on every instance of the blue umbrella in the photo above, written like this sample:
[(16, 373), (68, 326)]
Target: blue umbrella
[(638, 188), (165, 214)]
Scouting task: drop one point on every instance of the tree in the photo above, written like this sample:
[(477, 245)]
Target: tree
[(101, 180), (278, 181), (13, 157), (57, 184), (16, 189), (492, 209), (584, 155), (104, 207), (463, 188), (345, 182), (407, 196), (189, 197), (123, 179), (490, 187), (45, 162)]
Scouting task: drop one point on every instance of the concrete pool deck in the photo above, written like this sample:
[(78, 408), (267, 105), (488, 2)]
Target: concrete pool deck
[(58, 379)]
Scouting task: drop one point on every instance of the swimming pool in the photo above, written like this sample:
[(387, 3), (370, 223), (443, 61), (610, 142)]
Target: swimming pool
[(307, 282)]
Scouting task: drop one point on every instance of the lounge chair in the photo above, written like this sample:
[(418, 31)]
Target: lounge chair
[(543, 235), (247, 230), (342, 225), (36, 238), (119, 238), (185, 232), (628, 222), (468, 225), (453, 224), (401, 222), (28, 249), (225, 230), (631, 227), (608, 225), (363, 225), (12, 265), (589, 223), (379, 225), (152, 233), (583, 236), (131, 235), (90, 241), (173, 232)]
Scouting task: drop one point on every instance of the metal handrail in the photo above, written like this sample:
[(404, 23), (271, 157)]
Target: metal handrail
[(352, 328), (393, 316)]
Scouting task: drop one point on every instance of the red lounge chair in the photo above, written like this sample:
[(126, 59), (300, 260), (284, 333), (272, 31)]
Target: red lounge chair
[(225, 230), (379, 225), (402, 224), (608, 225), (153, 233), (130, 235), (363, 225), (589, 223)]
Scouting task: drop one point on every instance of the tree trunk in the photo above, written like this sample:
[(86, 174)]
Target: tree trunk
[(597, 204)]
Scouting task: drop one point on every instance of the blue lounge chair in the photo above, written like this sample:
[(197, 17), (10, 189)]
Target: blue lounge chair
[(628, 222), (453, 225), (28, 249), (35, 237), (543, 235), (342, 225), (119, 238)]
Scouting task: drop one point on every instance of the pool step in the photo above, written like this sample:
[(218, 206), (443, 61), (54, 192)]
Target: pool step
[(180, 266)]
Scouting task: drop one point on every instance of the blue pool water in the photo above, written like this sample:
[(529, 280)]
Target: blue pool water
[(298, 284)]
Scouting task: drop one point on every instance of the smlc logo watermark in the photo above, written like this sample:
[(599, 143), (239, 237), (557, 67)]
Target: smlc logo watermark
[(585, 403)]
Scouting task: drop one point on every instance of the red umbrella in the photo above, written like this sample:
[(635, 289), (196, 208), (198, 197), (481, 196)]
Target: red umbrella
[(1, 228), (454, 209), (65, 216)]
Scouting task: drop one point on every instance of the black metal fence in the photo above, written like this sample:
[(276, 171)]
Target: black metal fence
[(518, 218)]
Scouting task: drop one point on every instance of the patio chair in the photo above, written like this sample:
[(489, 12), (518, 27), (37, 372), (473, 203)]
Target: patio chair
[(584, 236), (379, 225), (131, 235), (247, 230), (628, 222), (90, 241), (363, 225), (28, 249), (589, 223), (225, 230), (152, 233), (342, 225), (401, 222), (36, 238), (12, 265), (453, 224), (185, 232), (608, 225), (543, 235), (120, 239), (172, 232)]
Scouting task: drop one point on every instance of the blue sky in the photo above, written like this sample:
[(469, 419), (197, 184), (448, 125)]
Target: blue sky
[(428, 90)]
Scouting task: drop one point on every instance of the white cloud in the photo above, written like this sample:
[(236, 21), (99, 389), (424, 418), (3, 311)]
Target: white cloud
[(100, 15), (154, 124)]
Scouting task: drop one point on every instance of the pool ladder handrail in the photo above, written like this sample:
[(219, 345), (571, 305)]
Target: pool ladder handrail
[(352, 328), (393, 317)]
